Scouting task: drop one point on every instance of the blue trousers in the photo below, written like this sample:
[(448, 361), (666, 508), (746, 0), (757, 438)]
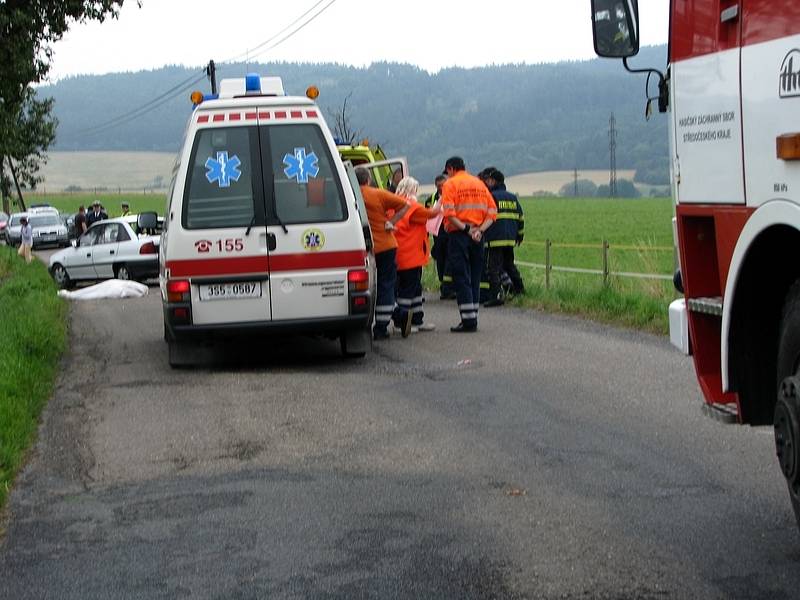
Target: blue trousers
[(465, 258), (386, 267), (409, 296)]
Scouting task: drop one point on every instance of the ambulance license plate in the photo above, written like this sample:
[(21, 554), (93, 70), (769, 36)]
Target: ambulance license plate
[(230, 291)]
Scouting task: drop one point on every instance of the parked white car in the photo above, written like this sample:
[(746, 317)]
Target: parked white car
[(121, 248), (46, 226)]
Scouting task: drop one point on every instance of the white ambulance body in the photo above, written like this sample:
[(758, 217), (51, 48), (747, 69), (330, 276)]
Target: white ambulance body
[(265, 230)]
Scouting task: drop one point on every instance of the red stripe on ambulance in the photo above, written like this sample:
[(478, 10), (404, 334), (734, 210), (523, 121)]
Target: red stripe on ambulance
[(206, 267)]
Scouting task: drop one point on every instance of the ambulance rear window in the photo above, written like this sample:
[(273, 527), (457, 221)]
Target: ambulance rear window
[(306, 186), (220, 179)]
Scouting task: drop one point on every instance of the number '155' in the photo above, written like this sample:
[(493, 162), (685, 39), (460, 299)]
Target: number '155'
[(230, 245)]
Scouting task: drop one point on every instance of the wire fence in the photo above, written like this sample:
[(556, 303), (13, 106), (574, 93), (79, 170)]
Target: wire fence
[(604, 270)]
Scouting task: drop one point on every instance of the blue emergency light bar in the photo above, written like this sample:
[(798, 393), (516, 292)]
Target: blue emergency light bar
[(252, 83)]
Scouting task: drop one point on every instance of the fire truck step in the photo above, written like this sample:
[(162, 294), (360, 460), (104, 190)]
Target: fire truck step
[(726, 413), (708, 306)]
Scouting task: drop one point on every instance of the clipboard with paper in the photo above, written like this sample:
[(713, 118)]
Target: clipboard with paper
[(433, 224)]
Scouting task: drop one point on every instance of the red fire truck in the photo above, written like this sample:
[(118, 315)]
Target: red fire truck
[(732, 88)]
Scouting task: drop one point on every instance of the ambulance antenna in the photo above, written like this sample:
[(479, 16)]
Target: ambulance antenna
[(211, 72)]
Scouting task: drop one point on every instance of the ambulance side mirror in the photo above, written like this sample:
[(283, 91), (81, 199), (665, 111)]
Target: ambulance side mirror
[(147, 220), (615, 28)]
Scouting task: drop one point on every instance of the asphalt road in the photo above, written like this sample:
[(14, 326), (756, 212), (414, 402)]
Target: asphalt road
[(543, 457)]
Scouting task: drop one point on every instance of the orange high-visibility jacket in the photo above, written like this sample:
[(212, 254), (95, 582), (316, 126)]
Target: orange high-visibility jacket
[(465, 197), (413, 248)]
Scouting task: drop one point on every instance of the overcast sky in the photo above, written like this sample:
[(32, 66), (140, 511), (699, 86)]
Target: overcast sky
[(433, 34)]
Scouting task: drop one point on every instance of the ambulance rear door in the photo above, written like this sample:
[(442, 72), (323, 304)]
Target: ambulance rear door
[(316, 230), (382, 171), (223, 235)]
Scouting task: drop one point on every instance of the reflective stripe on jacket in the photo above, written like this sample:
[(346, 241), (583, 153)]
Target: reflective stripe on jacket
[(510, 222)]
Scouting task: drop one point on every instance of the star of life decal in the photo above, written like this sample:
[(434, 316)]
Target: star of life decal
[(300, 166), (223, 170)]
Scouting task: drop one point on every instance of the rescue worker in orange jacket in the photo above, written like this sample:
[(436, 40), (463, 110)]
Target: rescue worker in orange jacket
[(412, 254), (379, 203), (469, 210)]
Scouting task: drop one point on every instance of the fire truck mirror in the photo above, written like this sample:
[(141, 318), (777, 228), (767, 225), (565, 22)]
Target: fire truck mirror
[(615, 27)]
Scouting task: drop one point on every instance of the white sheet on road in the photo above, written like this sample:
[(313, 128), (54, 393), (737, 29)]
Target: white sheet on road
[(113, 288)]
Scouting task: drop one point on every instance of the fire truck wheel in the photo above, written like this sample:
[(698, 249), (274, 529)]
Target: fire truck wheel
[(787, 438), (787, 409)]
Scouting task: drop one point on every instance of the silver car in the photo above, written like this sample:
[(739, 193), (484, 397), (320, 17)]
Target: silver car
[(122, 248), (48, 229)]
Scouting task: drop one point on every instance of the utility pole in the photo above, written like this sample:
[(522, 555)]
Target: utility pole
[(612, 149), (575, 182), (211, 72)]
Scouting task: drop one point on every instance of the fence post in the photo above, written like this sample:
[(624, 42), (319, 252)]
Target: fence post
[(605, 262), (547, 264)]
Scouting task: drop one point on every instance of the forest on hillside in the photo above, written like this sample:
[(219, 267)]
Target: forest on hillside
[(520, 118)]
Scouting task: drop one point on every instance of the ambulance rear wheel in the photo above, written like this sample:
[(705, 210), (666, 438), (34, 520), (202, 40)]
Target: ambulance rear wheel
[(355, 342), (180, 354)]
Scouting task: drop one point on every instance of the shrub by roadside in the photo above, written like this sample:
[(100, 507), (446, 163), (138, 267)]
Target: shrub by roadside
[(32, 338)]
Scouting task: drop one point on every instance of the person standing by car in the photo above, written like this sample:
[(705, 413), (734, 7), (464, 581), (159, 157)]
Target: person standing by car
[(439, 250), (126, 209), (379, 203), (96, 215), (26, 239), (80, 222), (469, 210)]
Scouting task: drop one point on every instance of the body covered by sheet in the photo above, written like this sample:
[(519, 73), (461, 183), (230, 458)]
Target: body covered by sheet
[(113, 288)]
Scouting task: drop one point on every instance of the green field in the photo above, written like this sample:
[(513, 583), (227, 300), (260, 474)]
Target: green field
[(68, 202), (639, 233)]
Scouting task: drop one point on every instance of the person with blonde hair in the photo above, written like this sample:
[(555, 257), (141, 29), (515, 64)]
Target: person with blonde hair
[(413, 251)]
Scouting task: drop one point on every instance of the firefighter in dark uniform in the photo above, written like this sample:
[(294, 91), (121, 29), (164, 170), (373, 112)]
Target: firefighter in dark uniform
[(501, 238), (483, 175)]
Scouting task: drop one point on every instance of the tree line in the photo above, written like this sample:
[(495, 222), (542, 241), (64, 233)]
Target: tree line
[(520, 118)]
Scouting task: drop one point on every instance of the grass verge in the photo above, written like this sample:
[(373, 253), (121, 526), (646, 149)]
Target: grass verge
[(32, 339)]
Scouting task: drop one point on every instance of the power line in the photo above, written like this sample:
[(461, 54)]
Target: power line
[(177, 89), (292, 33), (184, 85), (247, 52), (144, 109)]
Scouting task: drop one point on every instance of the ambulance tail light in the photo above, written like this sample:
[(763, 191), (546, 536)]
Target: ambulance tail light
[(358, 281), (148, 248), (179, 290), (358, 288)]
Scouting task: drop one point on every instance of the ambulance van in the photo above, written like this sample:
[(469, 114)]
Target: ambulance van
[(266, 230)]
